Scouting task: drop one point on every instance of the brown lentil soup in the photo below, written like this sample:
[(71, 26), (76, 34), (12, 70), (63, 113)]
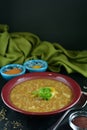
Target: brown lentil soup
[(21, 95)]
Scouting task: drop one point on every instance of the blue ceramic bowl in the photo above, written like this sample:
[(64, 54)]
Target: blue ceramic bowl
[(36, 65), (9, 67)]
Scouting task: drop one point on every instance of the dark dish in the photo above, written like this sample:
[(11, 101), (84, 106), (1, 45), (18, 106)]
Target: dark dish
[(48, 75)]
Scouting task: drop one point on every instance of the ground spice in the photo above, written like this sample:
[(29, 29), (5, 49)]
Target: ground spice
[(13, 71), (80, 121), (36, 66)]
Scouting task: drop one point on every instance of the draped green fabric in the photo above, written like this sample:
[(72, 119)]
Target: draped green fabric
[(18, 47)]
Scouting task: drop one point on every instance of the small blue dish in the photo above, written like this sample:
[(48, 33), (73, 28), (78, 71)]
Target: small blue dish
[(9, 67), (36, 65)]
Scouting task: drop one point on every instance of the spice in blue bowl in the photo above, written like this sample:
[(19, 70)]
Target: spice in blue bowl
[(36, 65), (12, 70)]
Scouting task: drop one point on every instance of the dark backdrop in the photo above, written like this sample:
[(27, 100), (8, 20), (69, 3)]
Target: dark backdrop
[(62, 21)]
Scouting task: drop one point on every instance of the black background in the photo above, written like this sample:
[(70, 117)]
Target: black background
[(62, 21)]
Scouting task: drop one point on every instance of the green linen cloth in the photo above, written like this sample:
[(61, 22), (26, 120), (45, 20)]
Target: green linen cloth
[(18, 47)]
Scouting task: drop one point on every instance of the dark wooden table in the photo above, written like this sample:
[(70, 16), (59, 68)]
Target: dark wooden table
[(11, 120)]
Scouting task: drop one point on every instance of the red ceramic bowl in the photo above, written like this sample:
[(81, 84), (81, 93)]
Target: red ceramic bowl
[(76, 90)]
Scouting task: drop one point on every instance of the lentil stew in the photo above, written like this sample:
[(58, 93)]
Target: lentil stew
[(21, 95)]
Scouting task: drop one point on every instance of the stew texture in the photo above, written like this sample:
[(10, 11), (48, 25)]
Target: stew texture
[(22, 95)]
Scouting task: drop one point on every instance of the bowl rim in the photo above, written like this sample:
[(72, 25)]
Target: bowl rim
[(12, 65), (28, 76)]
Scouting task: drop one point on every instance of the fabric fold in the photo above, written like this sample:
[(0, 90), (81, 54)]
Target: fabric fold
[(18, 47)]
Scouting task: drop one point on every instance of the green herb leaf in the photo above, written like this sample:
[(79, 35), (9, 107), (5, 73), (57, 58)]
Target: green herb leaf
[(44, 93)]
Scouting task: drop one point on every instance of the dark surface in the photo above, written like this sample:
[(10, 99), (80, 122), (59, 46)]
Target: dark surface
[(62, 21), (11, 118)]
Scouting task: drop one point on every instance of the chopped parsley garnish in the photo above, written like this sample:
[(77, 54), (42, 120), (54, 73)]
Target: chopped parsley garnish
[(44, 93)]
